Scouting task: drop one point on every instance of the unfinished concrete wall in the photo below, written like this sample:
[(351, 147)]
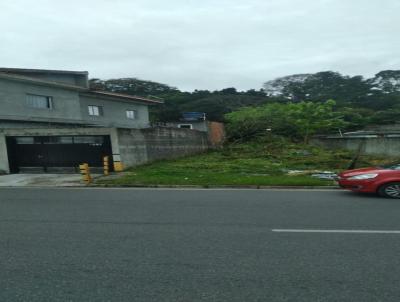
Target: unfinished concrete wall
[(138, 146), (215, 130), (5, 124), (3, 155), (132, 147), (194, 125), (13, 103), (389, 146), (76, 78), (171, 143), (114, 112), (66, 105)]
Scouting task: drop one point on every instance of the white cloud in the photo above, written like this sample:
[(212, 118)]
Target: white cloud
[(201, 44)]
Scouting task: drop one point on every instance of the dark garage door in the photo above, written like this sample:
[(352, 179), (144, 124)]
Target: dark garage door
[(56, 153)]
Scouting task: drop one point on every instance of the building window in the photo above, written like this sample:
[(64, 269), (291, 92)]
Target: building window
[(131, 114), (93, 140), (185, 126), (49, 140), (25, 140), (39, 101), (95, 110)]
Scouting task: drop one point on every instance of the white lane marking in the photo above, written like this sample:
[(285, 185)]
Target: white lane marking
[(336, 231)]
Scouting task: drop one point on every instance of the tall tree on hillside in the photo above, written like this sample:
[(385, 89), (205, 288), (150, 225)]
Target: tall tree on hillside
[(321, 86), (325, 85), (386, 81), (132, 86)]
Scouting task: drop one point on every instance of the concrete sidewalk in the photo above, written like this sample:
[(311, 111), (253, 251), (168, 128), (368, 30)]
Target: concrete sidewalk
[(41, 180)]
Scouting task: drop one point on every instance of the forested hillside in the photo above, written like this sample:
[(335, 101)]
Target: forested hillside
[(360, 101)]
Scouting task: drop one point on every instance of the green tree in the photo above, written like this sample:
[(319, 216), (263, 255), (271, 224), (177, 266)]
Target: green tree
[(294, 120), (310, 118), (356, 118)]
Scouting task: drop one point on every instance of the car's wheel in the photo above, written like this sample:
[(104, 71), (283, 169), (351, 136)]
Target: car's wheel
[(390, 190)]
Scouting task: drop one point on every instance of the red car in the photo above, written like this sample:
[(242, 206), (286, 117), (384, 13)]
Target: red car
[(384, 180)]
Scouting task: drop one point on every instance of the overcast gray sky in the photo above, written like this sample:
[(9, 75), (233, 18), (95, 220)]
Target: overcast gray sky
[(207, 44)]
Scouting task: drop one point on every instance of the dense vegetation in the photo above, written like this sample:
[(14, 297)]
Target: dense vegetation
[(296, 120), (294, 99)]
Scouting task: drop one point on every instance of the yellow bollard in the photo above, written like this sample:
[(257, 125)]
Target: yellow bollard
[(85, 171), (106, 165), (118, 167)]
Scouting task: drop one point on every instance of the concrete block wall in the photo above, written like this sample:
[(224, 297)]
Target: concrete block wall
[(138, 146), (389, 146), (215, 130), (132, 147)]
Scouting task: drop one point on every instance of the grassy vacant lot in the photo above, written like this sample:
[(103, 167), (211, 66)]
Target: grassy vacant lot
[(257, 163)]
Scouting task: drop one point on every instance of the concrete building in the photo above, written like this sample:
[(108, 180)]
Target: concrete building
[(43, 97), (51, 120), (198, 121), (214, 130)]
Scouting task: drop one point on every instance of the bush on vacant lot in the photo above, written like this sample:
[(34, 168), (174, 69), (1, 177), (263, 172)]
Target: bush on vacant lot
[(294, 120)]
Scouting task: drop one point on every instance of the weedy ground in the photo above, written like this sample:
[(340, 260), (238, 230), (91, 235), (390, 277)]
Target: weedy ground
[(260, 163)]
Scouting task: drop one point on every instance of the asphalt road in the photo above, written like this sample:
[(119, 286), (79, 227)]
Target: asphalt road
[(197, 245)]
